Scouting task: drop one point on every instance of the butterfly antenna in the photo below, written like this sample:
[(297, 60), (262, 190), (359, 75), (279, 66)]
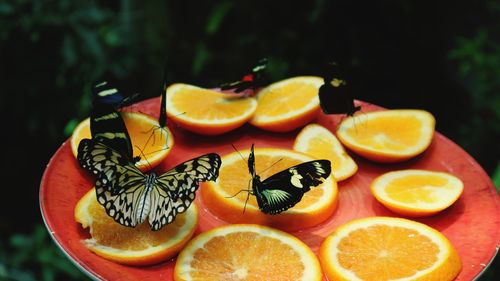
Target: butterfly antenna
[(152, 135), (144, 155), (235, 149), (270, 166)]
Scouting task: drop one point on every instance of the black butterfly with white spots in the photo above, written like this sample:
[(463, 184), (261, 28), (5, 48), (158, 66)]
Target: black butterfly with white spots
[(284, 189)]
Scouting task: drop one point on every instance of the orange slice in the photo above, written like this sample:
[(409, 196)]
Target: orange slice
[(134, 246), (206, 111), (287, 104), (383, 248), (416, 193), (388, 136), (246, 252), (148, 142), (316, 205), (319, 142)]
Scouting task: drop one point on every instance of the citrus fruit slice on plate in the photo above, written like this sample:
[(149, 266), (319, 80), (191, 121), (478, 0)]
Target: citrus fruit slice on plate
[(149, 142), (316, 205), (384, 248), (64, 183), (389, 135), (207, 112), (417, 193), (246, 252), (288, 104), (133, 246), (319, 142)]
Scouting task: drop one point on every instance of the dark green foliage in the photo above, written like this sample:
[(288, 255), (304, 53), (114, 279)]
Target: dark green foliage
[(478, 68), (35, 257)]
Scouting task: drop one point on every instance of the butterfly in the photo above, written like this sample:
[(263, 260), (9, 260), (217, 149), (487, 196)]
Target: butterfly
[(106, 123), (255, 79), (284, 189), (335, 97), (130, 196), (162, 119)]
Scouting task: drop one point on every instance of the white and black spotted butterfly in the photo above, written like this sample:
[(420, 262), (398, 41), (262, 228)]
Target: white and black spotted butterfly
[(284, 189), (130, 196)]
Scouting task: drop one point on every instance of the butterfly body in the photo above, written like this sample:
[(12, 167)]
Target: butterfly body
[(130, 196), (285, 189)]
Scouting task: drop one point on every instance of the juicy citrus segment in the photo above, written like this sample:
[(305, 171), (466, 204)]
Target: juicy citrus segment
[(287, 104), (319, 142), (417, 193), (134, 246), (383, 248), (149, 142), (316, 205), (388, 136), (206, 111), (246, 252)]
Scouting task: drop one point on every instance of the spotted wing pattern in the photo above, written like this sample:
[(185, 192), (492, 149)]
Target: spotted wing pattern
[(129, 196), (283, 190)]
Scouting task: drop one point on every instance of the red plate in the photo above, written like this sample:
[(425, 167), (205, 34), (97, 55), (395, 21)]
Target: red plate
[(472, 224)]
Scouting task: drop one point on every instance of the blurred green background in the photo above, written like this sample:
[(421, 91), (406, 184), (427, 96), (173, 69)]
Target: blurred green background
[(442, 56)]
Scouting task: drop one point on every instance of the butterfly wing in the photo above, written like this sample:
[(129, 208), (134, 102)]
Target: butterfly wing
[(107, 126), (100, 159), (106, 123), (175, 190), (121, 188), (335, 97), (130, 205), (184, 179), (283, 190), (164, 208), (104, 93)]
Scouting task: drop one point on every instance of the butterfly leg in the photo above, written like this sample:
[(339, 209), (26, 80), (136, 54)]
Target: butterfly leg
[(248, 195), (248, 190)]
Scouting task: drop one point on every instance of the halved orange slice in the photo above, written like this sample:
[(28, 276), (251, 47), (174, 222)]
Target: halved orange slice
[(288, 104), (134, 246), (207, 112), (319, 142), (246, 252), (383, 248), (416, 193), (151, 145), (316, 205), (388, 136)]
